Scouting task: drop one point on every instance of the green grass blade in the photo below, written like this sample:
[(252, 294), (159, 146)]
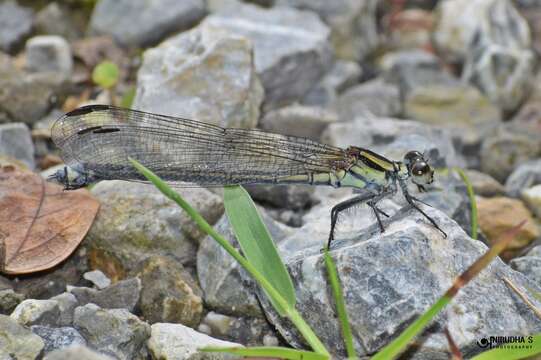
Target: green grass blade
[(340, 304), (268, 351), (256, 243), (471, 196), (511, 354), (399, 344), (291, 312)]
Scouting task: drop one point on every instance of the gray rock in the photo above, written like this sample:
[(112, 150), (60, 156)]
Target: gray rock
[(169, 293), (375, 97), (58, 338), (294, 197), (16, 142), (76, 352), (114, 332), (342, 75), (524, 176), (532, 198), (23, 97), (291, 47), (435, 97), (494, 40), (205, 74), (49, 53), (353, 24), (136, 221), (144, 23), (395, 64), (16, 24), (56, 19), (390, 278), (124, 294), (37, 312), (9, 299), (98, 279), (66, 304), (250, 331), (220, 276), (176, 341), (484, 184), (507, 147), (528, 265), (393, 138), (298, 120), (18, 342), (460, 21)]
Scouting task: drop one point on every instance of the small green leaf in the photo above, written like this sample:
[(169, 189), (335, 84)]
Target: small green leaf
[(268, 351), (256, 243), (105, 74), (471, 196)]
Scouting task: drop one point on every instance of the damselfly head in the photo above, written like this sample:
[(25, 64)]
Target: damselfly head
[(419, 170)]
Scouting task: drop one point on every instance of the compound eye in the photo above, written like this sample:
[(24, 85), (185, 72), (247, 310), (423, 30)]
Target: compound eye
[(411, 156), (420, 168)]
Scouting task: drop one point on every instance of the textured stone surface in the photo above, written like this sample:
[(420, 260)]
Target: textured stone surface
[(115, 332), (298, 120), (9, 299), (144, 23), (169, 293), (66, 304), (220, 275), (295, 197), (390, 278), (342, 75), (249, 331), (175, 341), (58, 338), (291, 47), (524, 176), (459, 21), (15, 22), (18, 342), (97, 278), (499, 214), (529, 265), (205, 74), (484, 184), (37, 312), (532, 198), (506, 147), (494, 40), (353, 24), (371, 98), (136, 220), (124, 294), (56, 19), (76, 352), (16, 142), (23, 97), (49, 53)]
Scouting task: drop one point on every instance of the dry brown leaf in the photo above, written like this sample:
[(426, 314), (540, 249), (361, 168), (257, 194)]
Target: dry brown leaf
[(40, 223)]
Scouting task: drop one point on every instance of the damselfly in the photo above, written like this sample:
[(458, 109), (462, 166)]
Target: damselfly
[(97, 140)]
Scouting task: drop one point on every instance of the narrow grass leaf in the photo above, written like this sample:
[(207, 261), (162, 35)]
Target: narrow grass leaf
[(340, 304), (268, 351), (455, 351), (523, 296), (533, 344), (473, 203), (400, 343), (256, 243)]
